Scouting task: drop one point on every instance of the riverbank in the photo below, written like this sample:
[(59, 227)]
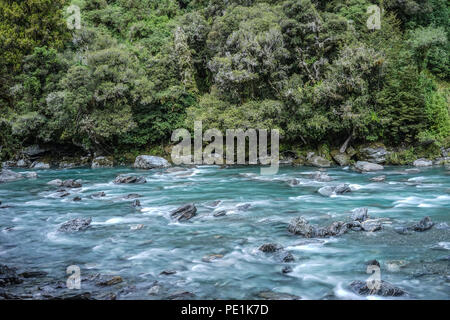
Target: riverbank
[(242, 239)]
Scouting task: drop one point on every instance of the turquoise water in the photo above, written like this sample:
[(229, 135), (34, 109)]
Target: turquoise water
[(322, 268)]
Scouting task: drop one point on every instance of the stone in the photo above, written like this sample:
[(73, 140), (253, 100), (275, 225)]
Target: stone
[(137, 227), (271, 295), (76, 199), (385, 289), (150, 162), (220, 213), (320, 162), (423, 225), (360, 214), (212, 257), (123, 179), (8, 276), (270, 247), (168, 272), (56, 182), (342, 159), (371, 225), (132, 196), (31, 175), (378, 178), (328, 191), (364, 166), (184, 213), (136, 203), (70, 183), (102, 162), (321, 177), (111, 281), (286, 269), (78, 224), (40, 165), (373, 154), (7, 175), (98, 194), (22, 163), (423, 163), (154, 290)]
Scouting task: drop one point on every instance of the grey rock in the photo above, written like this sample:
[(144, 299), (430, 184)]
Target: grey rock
[(181, 295), (286, 269), (23, 163), (40, 165), (244, 207), (270, 247), (7, 175), (102, 162), (342, 159), (271, 295), (378, 178), (77, 199), (98, 194), (167, 272), (8, 276), (184, 213), (70, 183), (56, 182), (123, 179), (423, 163), (318, 161), (371, 225), (374, 155), (328, 191), (220, 213), (360, 214), (78, 224), (386, 289), (132, 196), (364, 166), (423, 225), (300, 226), (321, 177), (150, 162)]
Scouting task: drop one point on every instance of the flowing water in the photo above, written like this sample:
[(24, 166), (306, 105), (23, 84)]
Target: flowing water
[(323, 268)]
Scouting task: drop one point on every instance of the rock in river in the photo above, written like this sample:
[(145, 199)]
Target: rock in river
[(123, 179), (39, 165), (364, 166), (78, 224), (184, 213), (300, 226), (8, 176), (378, 178), (423, 225), (384, 289), (270, 295), (328, 191), (150, 162), (8, 276), (360, 214)]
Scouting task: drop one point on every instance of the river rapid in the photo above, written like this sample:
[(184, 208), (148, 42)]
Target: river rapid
[(138, 244)]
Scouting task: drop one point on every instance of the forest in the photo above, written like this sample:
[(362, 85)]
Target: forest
[(136, 70)]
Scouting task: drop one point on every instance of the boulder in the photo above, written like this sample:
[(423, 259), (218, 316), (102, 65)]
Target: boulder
[(7, 175), (123, 179), (150, 162), (78, 224), (342, 159), (270, 247), (56, 182), (378, 178), (360, 214), (373, 154), (321, 177), (385, 289), (71, 183), (371, 225), (441, 161), (102, 162), (423, 225), (328, 191), (364, 166), (423, 163), (40, 165), (8, 276), (184, 213), (23, 163), (318, 161)]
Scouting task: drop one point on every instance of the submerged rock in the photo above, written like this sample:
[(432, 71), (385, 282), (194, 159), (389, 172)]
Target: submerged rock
[(244, 207), (220, 213), (423, 163), (98, 194), (364, 166), (9, 176), (110, 281), (8, 276), (271, 295), (78, 224), (136, 203), (76, 199), (321, 177), (150, 162), (181, 295), (328, 191), (184, 213), (123, 179), (385, 289), (378, 179), (212, 257), (286, 269)]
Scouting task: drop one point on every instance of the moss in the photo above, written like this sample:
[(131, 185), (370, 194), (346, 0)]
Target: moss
[(401, 157)]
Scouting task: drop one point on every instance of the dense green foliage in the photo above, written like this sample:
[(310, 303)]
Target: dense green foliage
[(137, 70)]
